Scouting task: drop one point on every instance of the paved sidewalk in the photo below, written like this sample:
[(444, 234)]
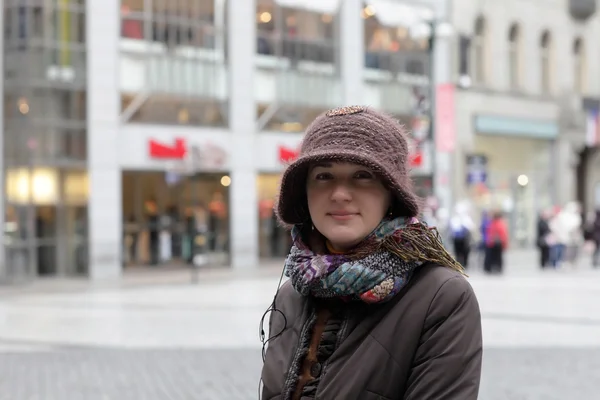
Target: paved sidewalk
[(143, 277), (200, 342)]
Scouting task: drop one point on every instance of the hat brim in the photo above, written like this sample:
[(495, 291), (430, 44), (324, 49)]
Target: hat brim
[(292, 207)]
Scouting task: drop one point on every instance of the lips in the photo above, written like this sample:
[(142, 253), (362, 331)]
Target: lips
[(342, 215)]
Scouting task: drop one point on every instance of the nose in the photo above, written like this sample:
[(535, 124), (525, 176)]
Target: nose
[(341, 193)]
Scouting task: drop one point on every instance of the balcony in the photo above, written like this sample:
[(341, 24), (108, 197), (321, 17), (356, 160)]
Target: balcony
[(391, 79), (153, 67), (297, 72)]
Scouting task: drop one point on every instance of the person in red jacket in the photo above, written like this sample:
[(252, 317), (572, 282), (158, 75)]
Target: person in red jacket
[(496, 243)]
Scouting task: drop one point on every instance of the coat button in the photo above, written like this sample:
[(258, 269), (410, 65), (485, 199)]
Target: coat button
[(315, 370)]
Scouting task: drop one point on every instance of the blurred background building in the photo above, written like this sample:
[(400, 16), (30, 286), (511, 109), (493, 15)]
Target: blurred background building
[(129, 127), (527, 103)]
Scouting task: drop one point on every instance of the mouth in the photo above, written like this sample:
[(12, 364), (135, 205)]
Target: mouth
[(342, 215)]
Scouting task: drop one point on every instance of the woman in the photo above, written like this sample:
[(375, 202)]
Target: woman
[(375, 308), (497, 242)]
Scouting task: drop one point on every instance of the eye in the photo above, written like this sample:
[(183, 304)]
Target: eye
[(363, 175), (323, 176)]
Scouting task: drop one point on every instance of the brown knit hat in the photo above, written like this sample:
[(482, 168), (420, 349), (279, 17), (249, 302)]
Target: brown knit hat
[(357, 135)]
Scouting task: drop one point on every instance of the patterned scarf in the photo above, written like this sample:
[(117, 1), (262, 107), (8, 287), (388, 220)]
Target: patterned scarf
[(375, 270)]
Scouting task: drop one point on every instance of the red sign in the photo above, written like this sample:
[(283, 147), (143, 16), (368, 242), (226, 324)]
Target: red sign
[(173, 151), (416, 159), (445, 124), (287, 155)]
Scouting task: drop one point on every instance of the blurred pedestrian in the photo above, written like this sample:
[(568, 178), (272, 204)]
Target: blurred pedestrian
[(485, 222), (543, 232), (565, 228), (497, 243), (375, 306), (461, 229)]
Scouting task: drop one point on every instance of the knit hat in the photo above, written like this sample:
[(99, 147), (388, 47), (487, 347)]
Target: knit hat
[(356, 135)]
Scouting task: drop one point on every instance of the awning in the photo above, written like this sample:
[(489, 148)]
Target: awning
[(318, 6), (394, 14)]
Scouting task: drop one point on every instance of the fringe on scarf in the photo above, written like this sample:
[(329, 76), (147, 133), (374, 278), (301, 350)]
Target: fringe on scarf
[(415, 242)]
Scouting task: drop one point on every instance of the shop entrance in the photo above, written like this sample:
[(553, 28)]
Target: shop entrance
[(163, 214)]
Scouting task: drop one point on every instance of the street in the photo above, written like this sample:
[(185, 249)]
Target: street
[(200, 341)]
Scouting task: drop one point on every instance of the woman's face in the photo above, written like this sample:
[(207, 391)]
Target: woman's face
[(346, 202)]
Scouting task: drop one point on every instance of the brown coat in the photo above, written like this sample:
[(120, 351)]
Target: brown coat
[(425, 344)]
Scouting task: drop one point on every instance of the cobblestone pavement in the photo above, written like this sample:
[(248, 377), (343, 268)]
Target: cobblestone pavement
[(541, 334), (110, 374)]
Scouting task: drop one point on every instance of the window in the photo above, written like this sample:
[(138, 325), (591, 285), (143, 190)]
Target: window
[(478, 48), (297, 48), (579, 66), (296, 33), (173, 57), (514, 56), (389, 42), (174, 23), (545, 62)]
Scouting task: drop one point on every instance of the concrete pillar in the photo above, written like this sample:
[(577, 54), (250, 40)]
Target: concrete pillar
[(103, 106), (242, 121), (3, 271), (352, 51)]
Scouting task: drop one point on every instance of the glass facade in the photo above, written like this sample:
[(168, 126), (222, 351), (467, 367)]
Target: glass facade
[(174, 62), (163, 213), (297, 63), (397, 56), (45, 138)]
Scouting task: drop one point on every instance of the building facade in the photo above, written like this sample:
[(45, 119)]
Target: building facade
[(131, 127), (526, 74)]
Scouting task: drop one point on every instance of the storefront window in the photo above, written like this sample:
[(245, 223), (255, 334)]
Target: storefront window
[(518, 181), (173, 57), (274, 240), (163, 214), (297, 62), (46, 222)]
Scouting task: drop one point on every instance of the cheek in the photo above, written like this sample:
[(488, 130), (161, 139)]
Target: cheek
[(376, 203), (314, 197)]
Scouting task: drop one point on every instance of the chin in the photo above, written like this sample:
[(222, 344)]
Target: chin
[(343, 240)]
